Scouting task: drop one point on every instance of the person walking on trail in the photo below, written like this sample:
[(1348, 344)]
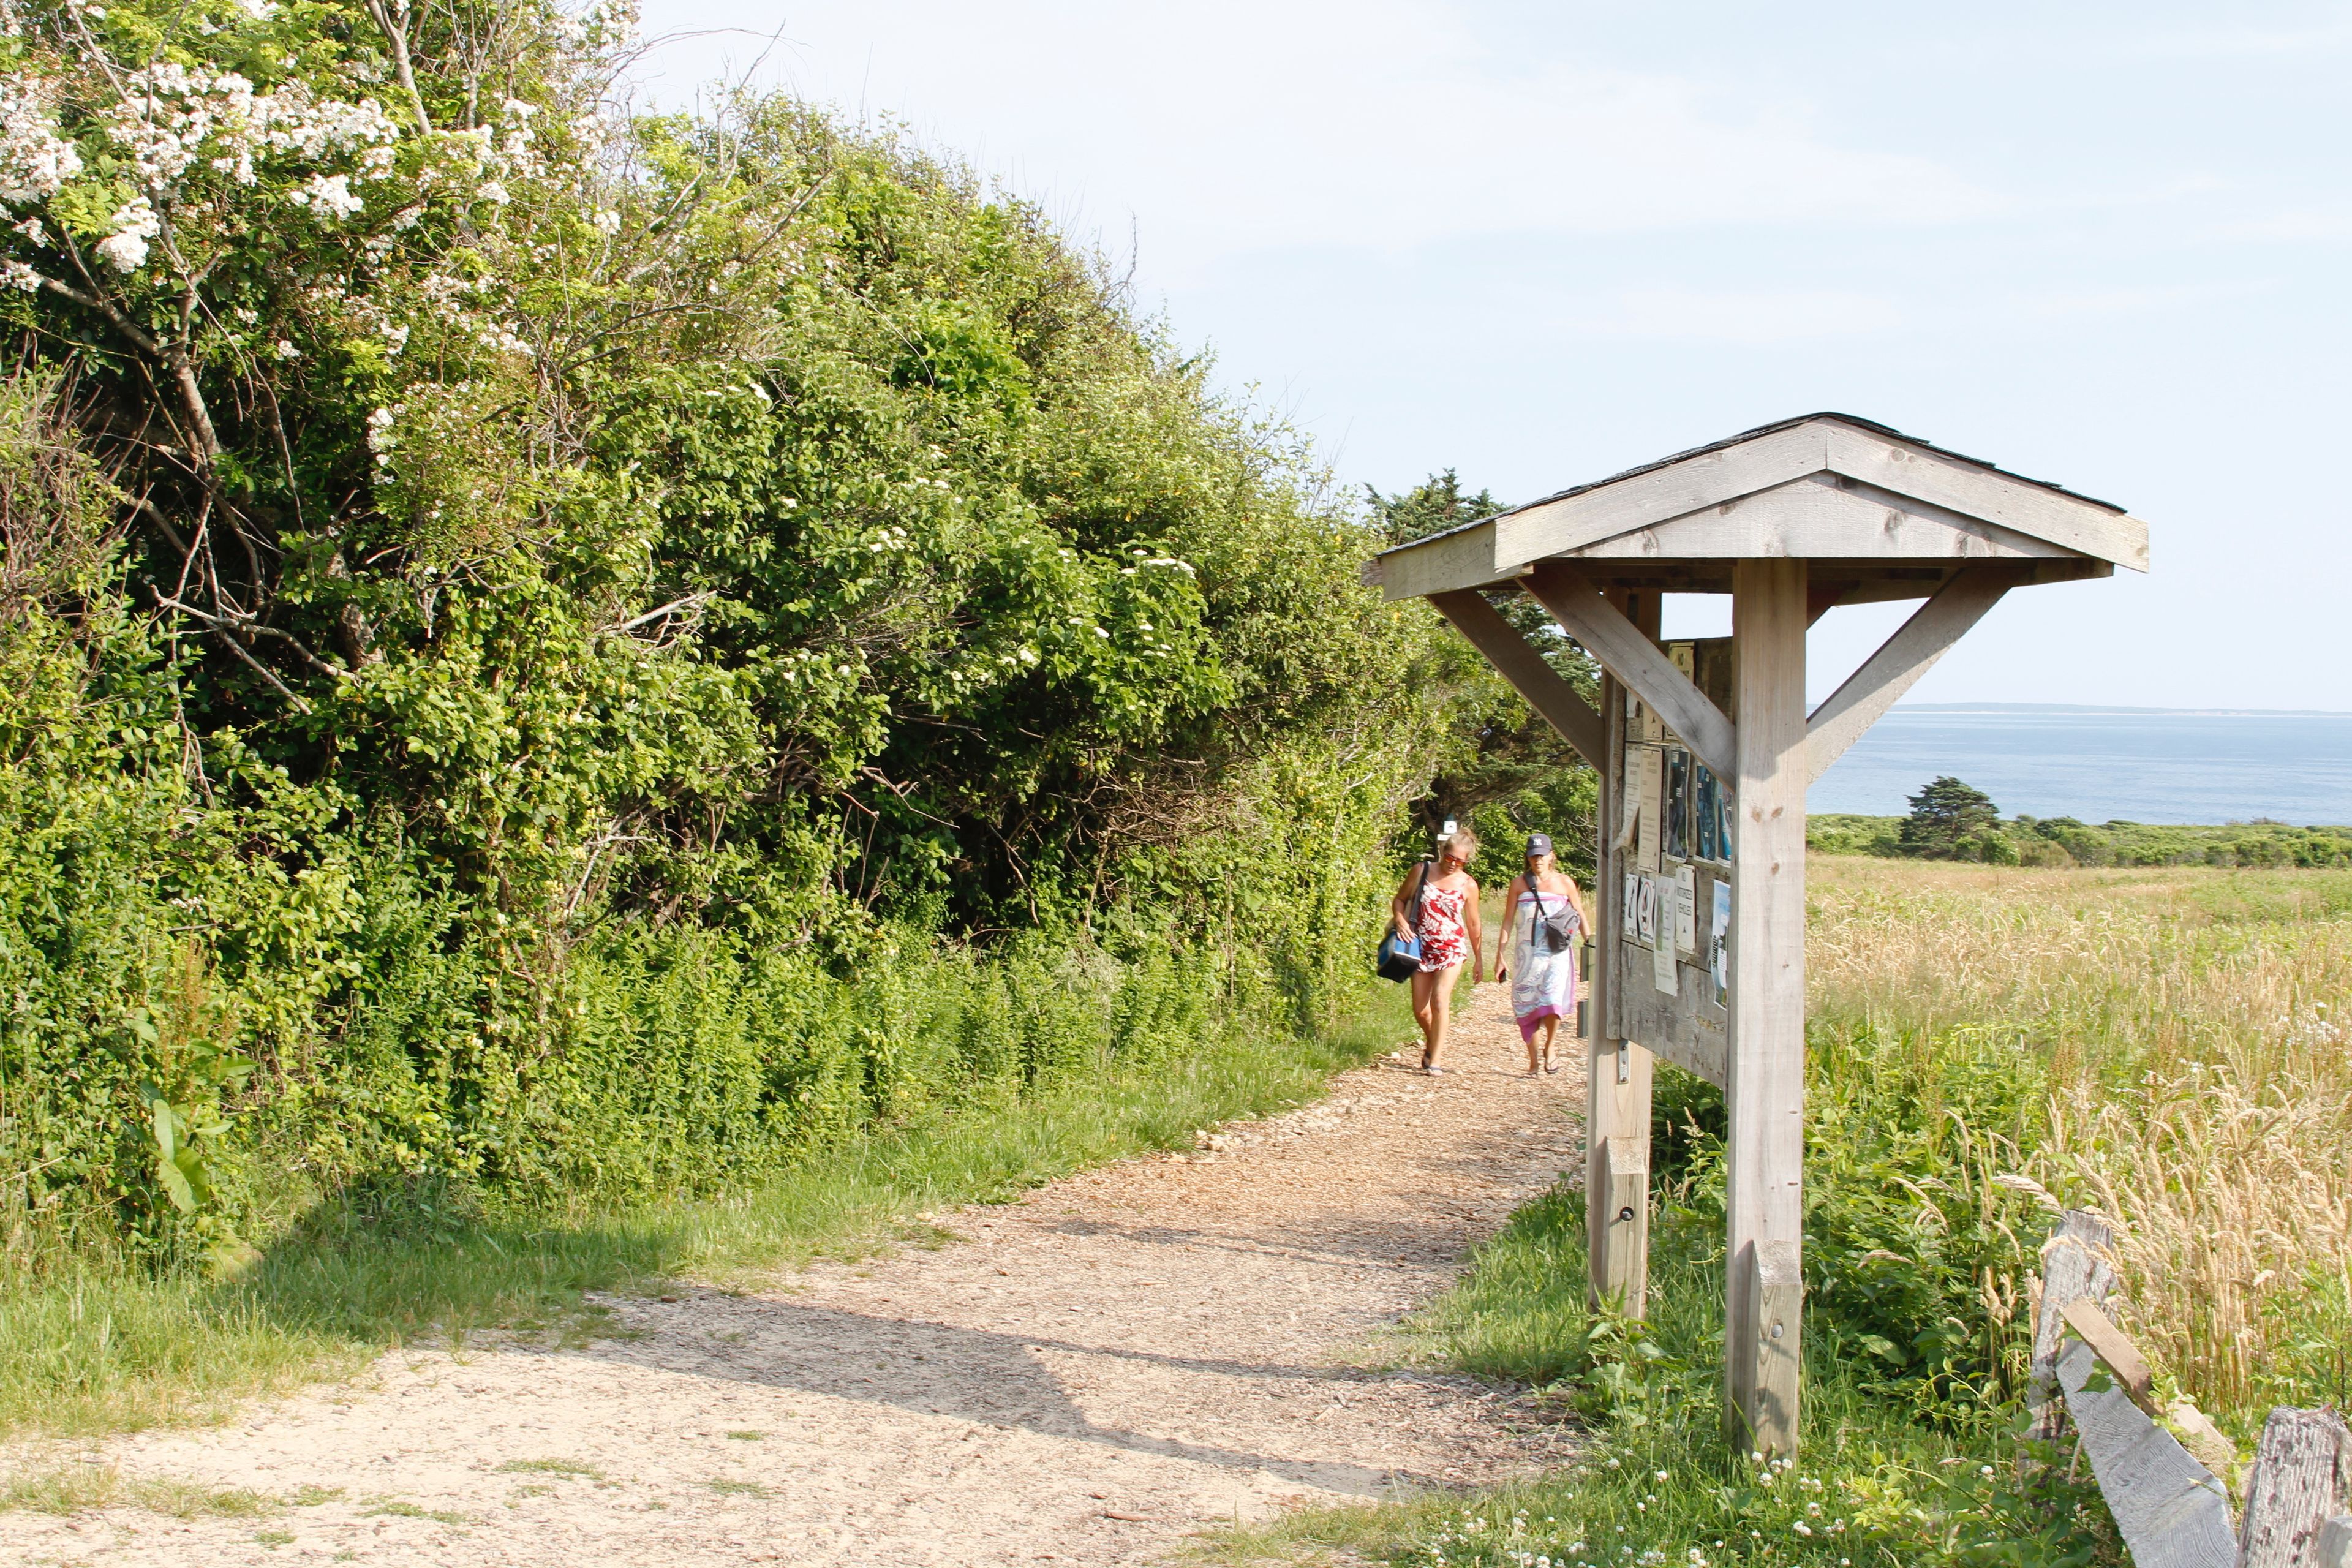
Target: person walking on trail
[(1545, 916), (1440, 906)]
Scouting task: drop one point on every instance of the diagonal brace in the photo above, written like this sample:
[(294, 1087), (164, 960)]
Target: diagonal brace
[(1518, 662), (1625, 652), (1906, 656)]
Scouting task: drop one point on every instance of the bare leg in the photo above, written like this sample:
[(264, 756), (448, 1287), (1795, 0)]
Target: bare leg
[(1551, 1027), (1440, 1017), (1535, 1062), (1425, 988)]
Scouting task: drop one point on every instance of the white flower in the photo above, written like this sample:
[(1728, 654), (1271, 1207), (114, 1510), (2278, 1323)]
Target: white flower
[(330, 194), (492, 191), (134, 224), (16, 274), (33, 161), (607, 221), (285, 350), (31, 229)]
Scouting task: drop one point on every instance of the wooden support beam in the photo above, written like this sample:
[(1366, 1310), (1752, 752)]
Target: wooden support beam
[(1521, 664), (1621, 1275), (2301, 1476), (1637, 661), (1906, 656), (1824, 594), (1766, 1099), (1618, 1071), (1774, 1365)]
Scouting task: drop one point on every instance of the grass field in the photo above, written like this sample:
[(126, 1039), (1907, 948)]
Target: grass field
[(89, 1347), (1987, 1045)]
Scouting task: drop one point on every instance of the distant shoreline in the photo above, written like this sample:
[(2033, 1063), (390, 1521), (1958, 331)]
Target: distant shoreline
[(2083, 709)]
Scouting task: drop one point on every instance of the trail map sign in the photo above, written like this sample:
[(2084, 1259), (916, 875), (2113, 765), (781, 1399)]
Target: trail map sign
[(1705, 750)]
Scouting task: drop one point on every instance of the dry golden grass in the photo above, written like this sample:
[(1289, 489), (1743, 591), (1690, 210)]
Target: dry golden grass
[(2200, 1087)]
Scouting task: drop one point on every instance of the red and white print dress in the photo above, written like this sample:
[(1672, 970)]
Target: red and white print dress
[(1444, 939)]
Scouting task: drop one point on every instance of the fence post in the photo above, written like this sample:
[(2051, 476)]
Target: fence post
[(2302, 1478)]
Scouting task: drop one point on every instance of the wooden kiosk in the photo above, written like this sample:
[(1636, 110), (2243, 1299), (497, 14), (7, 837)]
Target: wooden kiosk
[(1705, 750)]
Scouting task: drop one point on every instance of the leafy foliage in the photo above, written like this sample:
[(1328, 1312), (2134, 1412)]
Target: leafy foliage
[(568, 655)]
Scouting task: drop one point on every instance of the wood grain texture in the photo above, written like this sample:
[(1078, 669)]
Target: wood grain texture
[(1636, 661), (2078, 1265), (2335, 1549), (1521, 664), (1463, 559), (2301, 1475), (1770, 1400), (1823, 516), (1764, 1155), (2171, 1512), (1614, 1109), (2112, 1346), (1637, 501), (2080, 525), (1899, 662), (1624, 1273)]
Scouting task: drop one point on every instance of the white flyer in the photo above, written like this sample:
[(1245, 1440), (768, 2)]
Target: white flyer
[(1662, 957), (1645, 794), (1686, 909)]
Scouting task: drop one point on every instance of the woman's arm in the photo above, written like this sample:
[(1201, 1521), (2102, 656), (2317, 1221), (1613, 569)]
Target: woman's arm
[(1397, 905), (1470, 920), (1503, 942)]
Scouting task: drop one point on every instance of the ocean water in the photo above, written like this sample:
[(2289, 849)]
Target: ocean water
[(2103, 764)]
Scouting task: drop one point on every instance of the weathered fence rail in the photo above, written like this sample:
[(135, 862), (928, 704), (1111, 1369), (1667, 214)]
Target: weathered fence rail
[(2171, 1497)]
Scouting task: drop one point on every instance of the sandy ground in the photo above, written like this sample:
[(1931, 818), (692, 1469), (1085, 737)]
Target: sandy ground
[(1126, 1357)]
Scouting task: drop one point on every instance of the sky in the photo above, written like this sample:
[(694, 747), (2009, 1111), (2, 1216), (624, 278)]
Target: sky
[(2100, 244)]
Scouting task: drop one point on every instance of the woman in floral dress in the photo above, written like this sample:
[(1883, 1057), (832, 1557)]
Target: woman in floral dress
[(1447, 897)]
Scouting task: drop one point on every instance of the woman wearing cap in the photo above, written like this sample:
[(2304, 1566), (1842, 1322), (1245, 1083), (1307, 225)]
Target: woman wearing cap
[(1446, 902), (1539, 953)]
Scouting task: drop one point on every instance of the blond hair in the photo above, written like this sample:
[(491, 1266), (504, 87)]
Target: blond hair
[(1462, 842)]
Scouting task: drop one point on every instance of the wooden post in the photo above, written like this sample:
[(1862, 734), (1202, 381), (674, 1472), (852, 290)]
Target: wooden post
[(1617, 1071), (2075, 1267), (1765, 1093), (2302, 1473)]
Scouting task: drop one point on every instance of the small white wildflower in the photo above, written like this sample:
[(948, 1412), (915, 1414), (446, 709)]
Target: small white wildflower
[(31, 229), (329, 194), (492, 191), (607, 221), (135, 224), (16, 274), (285, 350)]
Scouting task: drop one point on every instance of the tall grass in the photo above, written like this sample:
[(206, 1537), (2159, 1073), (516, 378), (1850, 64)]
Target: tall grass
[(2199, 1081)]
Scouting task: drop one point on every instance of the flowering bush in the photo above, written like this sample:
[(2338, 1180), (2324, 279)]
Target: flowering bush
[(545, 552)]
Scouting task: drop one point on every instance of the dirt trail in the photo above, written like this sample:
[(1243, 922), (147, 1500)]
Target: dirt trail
[(1126, 1356)]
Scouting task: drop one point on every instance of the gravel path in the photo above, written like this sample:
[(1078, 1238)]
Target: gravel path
[(1085, 1376)]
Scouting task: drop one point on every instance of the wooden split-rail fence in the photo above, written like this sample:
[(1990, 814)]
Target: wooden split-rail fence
[(2171, 1498)]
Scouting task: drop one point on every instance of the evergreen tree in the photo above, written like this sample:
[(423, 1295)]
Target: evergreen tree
[(1948, 821)]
